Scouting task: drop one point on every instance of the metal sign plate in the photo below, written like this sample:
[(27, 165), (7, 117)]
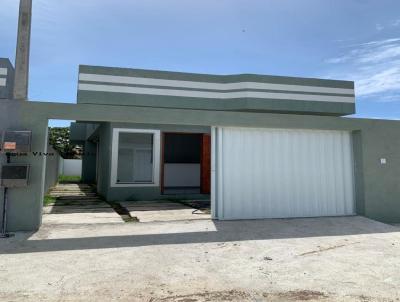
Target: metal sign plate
[(16, 141), (14, 175), (10, 146)]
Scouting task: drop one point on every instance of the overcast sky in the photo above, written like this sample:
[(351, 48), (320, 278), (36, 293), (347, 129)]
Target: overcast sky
[(340, 39)]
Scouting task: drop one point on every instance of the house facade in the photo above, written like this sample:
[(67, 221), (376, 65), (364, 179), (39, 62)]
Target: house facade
[(260, 146)]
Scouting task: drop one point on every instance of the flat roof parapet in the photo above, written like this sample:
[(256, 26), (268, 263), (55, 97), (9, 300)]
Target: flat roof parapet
[(240, 92)]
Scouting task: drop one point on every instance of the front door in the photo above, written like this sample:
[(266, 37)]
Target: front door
[(205, 165)]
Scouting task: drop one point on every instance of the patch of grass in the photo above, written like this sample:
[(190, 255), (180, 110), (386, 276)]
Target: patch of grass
[(68, 179), (48, 200)]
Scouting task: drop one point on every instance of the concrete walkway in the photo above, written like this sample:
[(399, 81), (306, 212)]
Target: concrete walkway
[(78, 204)]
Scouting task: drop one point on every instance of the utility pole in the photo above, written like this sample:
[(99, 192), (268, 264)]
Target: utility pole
[(20, 91)]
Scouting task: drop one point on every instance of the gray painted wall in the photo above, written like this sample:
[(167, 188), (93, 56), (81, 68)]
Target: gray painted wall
[(52, 168), (381, 188), (104, 158), (81, 131), (378, 190), (182, 175), (25, 204), (78, 132), (89, 162), (71, 167)]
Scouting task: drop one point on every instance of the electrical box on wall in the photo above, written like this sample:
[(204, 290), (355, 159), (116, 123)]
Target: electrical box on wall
[(16, 141), (14, 175)]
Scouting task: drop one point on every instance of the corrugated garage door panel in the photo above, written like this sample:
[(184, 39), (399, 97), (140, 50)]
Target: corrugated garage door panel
[(276, 173)]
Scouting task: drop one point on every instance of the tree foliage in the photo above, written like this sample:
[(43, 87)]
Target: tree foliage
[(59, 139)]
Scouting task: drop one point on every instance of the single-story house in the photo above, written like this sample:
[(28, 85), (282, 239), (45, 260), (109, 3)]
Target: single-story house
[(258, 146), (308, 162)]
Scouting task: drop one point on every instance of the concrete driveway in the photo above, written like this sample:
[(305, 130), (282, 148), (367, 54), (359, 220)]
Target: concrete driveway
[(315, 259)]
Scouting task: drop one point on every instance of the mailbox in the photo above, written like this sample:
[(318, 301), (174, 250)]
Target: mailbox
[(16, 141), (14, 175)]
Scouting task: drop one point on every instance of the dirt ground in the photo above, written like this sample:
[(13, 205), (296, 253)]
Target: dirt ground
[(314, 259)]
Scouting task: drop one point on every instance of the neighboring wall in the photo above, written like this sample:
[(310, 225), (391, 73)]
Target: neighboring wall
[(6, 79), (56, 166), (70, 167), (53, 160)]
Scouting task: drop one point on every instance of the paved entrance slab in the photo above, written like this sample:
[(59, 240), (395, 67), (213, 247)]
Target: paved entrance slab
[(150, 211)]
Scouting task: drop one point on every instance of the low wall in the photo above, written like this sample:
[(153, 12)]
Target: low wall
[(52, 168), (182, 175), (70, 167)]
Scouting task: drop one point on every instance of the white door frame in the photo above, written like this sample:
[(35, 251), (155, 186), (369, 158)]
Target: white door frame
[(114, 157)]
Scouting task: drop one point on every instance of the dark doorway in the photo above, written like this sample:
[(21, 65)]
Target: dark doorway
[(186, 163)]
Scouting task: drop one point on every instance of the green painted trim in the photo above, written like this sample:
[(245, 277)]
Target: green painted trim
[(240, 104), (135, 114), (185, 76)]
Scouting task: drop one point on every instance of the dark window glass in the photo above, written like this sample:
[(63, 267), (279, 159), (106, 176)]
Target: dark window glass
[(182, 148)]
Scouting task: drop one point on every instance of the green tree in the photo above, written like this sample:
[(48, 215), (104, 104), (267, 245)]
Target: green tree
[(59, 139)]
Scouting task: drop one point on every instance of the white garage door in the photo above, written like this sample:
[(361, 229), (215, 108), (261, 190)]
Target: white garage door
[(277, 173)]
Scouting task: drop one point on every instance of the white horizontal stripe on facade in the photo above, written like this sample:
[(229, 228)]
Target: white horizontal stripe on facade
[(3, 71), (215, 95), (205, 85), (2, 82)]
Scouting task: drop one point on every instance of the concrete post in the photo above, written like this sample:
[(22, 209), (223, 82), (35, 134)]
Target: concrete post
[(20, 91)]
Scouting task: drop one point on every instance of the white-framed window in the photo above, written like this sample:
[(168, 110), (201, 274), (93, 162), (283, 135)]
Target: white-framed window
[(135, 157)]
